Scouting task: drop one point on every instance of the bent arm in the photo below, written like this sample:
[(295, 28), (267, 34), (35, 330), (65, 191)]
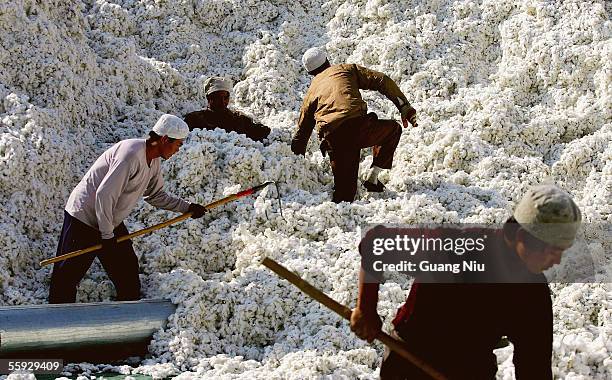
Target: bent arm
[(251, 129), (377, 81), (367, 298), (306, 124), (365, 321), (156, 196)]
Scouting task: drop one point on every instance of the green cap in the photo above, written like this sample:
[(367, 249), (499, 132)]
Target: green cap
[(549, 214)]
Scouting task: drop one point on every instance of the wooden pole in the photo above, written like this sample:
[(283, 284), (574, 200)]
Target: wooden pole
[(345, 313), (156, 227)]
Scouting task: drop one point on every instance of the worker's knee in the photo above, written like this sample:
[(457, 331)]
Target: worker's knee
[(392, 131), (128, 291)]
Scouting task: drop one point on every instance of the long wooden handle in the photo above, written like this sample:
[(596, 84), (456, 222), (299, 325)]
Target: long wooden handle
[(179, 218), (345, 313)]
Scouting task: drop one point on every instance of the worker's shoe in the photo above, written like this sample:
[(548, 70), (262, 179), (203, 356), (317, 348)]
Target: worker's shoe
[(377, 187)]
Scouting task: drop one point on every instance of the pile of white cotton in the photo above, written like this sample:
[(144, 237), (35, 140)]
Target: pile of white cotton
[(509, 93)]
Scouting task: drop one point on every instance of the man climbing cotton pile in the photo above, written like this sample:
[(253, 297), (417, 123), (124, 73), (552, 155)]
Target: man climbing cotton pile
[(105, 196), (333, 104), (218, 115), (454, 327)]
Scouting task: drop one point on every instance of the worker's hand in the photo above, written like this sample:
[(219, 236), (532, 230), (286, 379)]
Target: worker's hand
[(408, 115), (197, 210), (365, 324), (109, 245), (298, 147)]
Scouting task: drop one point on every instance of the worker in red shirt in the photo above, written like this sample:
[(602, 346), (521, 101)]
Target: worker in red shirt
[(454, 327)]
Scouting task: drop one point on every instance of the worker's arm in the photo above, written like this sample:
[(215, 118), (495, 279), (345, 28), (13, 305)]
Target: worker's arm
[(254, 131), (365, 321), (305, 126), (108, 193), (377, 81), (156, 196), (198, 120), (532, 334), (190, 119)]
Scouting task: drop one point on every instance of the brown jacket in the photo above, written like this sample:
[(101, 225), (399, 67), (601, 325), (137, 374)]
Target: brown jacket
[(228, 120), (334, 97)]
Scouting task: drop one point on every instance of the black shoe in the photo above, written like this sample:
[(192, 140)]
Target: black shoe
[(377, 187)]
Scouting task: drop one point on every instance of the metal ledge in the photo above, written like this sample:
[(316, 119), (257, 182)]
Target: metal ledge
[(75, 328)]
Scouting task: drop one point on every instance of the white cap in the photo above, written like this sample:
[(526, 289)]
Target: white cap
[(171, 126), (217, 84), (314, 58)]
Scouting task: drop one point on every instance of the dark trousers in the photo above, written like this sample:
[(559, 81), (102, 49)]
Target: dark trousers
[(395, 367), (469, 365), (121, 265), (345, 144)]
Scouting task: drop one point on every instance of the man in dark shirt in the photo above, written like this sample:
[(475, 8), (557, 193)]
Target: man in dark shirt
[(219, 116), (454, 327)]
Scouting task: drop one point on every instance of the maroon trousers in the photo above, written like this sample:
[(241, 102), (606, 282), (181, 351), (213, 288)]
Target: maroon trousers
[(344, 147)]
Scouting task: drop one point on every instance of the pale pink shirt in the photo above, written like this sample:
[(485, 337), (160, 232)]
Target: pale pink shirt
[(112, 187)]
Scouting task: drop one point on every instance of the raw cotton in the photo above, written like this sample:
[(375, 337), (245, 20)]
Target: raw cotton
[(509, 94)]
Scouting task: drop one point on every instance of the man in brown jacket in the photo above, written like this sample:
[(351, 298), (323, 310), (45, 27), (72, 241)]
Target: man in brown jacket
[(219, 116), (334, 106)]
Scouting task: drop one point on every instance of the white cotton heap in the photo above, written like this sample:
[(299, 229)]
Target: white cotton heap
[(508, 94)]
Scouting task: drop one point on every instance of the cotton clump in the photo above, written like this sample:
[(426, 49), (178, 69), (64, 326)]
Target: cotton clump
[(508, 94)]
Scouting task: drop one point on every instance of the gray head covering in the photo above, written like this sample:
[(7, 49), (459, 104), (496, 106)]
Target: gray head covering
[(549, 214), (217, 84)]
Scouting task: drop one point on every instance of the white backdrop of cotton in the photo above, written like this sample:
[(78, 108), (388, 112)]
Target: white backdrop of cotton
[(508, 93)]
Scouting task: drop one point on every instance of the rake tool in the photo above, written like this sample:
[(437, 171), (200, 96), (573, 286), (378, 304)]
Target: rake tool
[(167, 223), (345, 313)]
